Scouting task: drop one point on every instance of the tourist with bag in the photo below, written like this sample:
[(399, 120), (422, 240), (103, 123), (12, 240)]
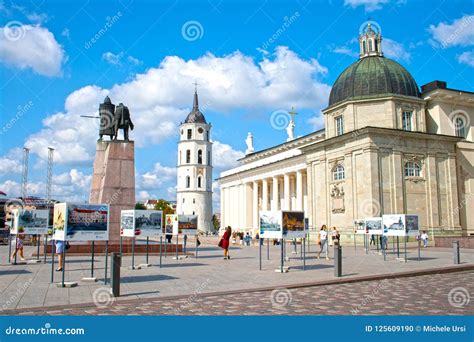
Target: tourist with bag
[(224, 242)]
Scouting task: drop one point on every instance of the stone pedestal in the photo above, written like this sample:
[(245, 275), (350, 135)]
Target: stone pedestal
[(113, 180)]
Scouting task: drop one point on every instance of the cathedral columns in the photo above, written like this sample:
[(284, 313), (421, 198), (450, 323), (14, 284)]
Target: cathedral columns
[(286, 191), (264, 194), (223, 211), (299, 190), (255, 212), (275, 194)]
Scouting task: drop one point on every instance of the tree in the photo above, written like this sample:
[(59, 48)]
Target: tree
[(140, 206), (215, 222), (164, 206)]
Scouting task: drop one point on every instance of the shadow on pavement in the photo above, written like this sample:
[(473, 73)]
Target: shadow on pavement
[(144, 278), (7, 272), (311, 267), (182, 265)]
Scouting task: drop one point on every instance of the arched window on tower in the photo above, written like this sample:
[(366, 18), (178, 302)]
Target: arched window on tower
[(188, 181), (370, 46), (208, 157), (338, 172), (199, 182), (188, 156), (199, 156), (376, 45), (459, 127), (412, 169), (364, 46)]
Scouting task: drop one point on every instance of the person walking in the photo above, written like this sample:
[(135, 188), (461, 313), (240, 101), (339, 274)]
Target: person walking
[(335, 237), (60, 249), (424, 238), (19, 246), (225, 241), (372, 240), (323, 241)]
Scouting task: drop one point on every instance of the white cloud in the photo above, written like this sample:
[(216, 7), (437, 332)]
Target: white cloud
[(467, 57), (369, 5), (69, 186), (395, 50), (37, 18), (224, 156), (157, 178), (143, 196), (133, 60), (161, 97), (459, 33), (111, 58), (118, 59), (317, 121), (27, 46), (343, 50), (9, 166), (66, 33), (390, 48)]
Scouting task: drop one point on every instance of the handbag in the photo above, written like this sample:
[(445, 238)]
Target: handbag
[(221, 241), (68, 245)]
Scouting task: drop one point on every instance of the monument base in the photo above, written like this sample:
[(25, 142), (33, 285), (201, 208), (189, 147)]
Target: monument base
[(113, 180)]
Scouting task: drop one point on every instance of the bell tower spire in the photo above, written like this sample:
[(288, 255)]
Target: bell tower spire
[(370, 40), (196, 101)]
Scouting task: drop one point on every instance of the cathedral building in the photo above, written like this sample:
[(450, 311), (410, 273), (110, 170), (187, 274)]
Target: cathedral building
[(388, 147), (194, 170)]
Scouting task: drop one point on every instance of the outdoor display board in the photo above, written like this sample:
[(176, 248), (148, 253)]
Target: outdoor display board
[(169, 226), (81, 222), (30, 221), (181, 224), (141, 223), (400, 225), (127, 223), (282, 224), (373, 225), (293, 224), (187, 224)]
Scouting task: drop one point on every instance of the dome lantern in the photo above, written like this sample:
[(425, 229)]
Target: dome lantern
[(370, 41)]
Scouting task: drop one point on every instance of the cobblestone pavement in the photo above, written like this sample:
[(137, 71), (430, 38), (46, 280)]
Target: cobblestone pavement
[(29, 285), (444, 294)]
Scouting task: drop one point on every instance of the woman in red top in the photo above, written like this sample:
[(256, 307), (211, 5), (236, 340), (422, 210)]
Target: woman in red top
[(224, 243)]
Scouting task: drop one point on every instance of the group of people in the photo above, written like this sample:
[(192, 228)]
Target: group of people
[(423, 237), (323, 237), (60, 247)]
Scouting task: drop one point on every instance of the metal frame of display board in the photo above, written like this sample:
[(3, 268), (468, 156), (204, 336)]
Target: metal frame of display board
[(282, 254)]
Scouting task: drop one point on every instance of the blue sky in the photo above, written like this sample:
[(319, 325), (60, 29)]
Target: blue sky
[(59, 59)]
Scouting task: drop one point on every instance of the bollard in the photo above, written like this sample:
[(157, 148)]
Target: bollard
[(338, 261), (115, 274), (456, 254)]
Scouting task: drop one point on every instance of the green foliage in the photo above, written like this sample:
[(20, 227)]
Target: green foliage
[(215, 222), (164, 206), (140, 206)]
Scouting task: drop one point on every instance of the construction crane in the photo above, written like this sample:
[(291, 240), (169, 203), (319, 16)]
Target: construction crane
[(49, 181), (24, 178)]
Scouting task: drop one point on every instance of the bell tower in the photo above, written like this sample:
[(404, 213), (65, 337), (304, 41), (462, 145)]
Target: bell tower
[(194, 188)]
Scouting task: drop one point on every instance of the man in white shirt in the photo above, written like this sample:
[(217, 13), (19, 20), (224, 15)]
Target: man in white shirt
[(424, 238)]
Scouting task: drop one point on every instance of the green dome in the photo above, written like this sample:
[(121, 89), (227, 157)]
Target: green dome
[(370, 77)]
